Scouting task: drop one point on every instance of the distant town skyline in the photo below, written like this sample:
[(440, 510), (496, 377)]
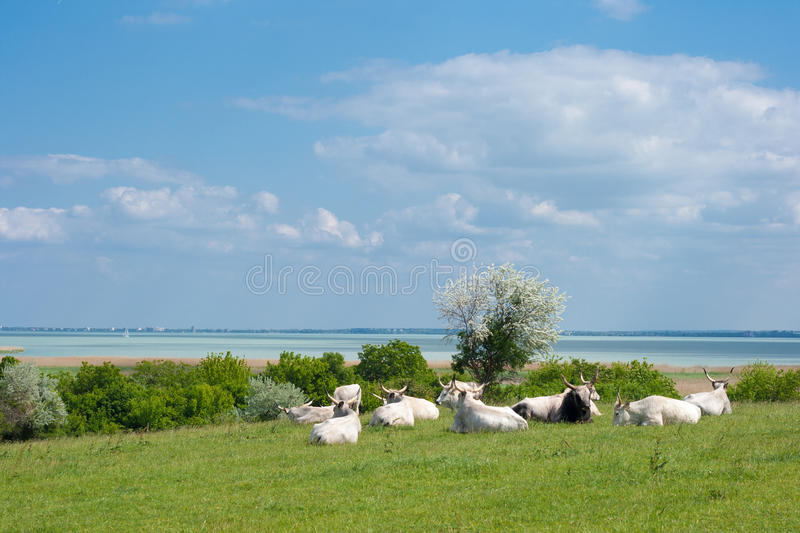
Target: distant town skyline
[(250, 165)]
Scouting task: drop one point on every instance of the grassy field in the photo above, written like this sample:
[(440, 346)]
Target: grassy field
[(737, 473)]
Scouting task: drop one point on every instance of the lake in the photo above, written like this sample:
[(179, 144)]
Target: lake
[(677, 351)]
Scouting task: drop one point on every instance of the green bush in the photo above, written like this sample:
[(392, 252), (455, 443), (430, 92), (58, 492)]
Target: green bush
[(313, 375), (761, 382), (395, 361), (98, 398), (226, 371), (265, 396), (29, 402), (7, 362), (635, 380), (166, 374)]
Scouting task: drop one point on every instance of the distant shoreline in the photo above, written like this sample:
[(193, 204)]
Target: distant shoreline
[(772, 334)]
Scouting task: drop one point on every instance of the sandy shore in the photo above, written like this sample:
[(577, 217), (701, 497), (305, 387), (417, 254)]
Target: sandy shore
[(693, 381), (10, 349)]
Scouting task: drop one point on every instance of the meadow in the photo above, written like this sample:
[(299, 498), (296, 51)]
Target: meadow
[(739, 472)]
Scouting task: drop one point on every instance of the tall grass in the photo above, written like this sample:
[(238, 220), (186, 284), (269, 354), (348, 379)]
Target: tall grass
[(736, 472)]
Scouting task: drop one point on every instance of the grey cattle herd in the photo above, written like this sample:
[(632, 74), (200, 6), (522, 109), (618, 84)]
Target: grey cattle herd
[(340, 423)]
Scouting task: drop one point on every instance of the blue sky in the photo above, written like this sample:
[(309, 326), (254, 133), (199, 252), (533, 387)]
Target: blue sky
[(160, 161)]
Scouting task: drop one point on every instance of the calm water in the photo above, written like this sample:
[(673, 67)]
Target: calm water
[(680, 351)]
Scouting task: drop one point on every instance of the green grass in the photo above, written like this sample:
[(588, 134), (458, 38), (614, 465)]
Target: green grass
[(734, 473)]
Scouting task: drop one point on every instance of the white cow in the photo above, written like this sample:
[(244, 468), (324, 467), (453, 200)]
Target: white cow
[(395, 413), (343, 427), (473, 415), (593, 396), (308, 414), (350, 394), (655, 411), (715, 402), (449, 396), (423, 409)]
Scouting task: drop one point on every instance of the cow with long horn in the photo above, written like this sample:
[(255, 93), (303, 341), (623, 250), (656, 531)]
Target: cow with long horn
[(422, 408), (655, 411), (473, 415), (449, 396), (572, 405), (343, 427), (715, 402), (394, 412), (308, 414)]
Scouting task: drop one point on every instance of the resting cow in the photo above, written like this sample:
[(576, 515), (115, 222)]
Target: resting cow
[(715, 402), (343, 427), (308, 414), (422, 408), (473, 415), (395, 413), (449, 396), (655, 411), (572, 405)]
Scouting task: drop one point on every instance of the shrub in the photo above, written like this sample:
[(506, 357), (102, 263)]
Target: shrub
[(7, 362), (265, 396), (634, 380), (98, 398), (313, 375), (166, 374), (29, 402), (226, 371), (396, 360), (761, 382)]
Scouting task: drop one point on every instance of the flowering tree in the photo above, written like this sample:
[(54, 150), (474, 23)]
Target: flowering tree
[(502, 318)]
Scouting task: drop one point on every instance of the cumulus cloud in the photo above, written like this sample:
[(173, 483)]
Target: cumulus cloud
[(32, 224), (620, 9), (266, 201), (547, 210), (605, 127), (449, 212), (324, 226), (68, 168)]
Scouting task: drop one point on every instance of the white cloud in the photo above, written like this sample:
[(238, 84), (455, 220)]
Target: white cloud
[(156, 18), (32, 224), (547, 210), (68, 168), (266, 201), (286, 231), (450, 212), (554, 124), (146, 204), (324, 226), (620, 9)]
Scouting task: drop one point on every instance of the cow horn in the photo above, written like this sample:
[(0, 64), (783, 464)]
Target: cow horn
[(583, 380), (596, 375), (403, 390), (440, 382), (384, 389), (334, 400), (619, 400), (456, 386), (285, 410), (479, 389), (709, 377), (378, 397), (567, 383), (308, 403)]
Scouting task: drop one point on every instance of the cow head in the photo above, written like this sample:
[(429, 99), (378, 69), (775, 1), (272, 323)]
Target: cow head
[(577, 402), (449, 395), (340, 407), (717, 383), (622, 415), (594, 396), (473, 394), (393, 395)]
